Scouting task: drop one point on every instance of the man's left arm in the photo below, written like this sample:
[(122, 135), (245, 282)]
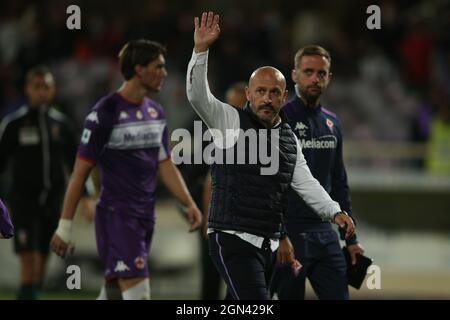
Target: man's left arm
[(173, 180), (315, 196), (340, 192), (88, 201)]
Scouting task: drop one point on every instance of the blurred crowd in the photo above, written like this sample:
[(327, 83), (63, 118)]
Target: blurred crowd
[(391, 84)]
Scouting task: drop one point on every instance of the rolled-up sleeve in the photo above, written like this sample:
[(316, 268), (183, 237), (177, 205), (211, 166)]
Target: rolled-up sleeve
[(215, 113)]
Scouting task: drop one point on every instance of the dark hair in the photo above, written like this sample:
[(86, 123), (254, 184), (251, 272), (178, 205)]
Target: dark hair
[(311, 50), (37, 71), (138, 52)]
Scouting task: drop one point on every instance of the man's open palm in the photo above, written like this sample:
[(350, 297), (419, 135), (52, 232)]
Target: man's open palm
[(206, 31)]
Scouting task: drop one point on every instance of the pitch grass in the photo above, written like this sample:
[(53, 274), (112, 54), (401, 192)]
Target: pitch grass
[(83, 296), (55, 296)]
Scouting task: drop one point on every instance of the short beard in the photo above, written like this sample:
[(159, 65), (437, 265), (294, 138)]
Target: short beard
[(311, 100), (267, 122)]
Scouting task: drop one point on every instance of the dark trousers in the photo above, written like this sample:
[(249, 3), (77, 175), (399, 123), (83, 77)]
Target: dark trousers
[(211, 279), (245, 268), (34, 224), (322, 263)]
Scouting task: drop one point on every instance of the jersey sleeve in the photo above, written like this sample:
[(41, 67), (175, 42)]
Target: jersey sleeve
[(96, 132), (340, 190)]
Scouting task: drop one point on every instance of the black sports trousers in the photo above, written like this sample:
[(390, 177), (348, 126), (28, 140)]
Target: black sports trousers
[(245, 268)]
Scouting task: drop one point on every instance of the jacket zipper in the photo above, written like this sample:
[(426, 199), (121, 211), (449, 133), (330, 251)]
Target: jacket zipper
[(45, 157)]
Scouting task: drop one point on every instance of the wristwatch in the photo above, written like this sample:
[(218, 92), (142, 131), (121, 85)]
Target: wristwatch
[(341, 212)]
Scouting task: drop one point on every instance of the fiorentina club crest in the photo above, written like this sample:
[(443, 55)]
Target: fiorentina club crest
[(330, 124), (139, 262)]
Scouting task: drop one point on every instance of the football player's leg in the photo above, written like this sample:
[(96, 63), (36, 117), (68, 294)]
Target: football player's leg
[(24, 246), (110, 291), (128, 255)]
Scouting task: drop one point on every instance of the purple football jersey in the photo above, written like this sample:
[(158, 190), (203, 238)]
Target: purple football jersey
[(6, 227), (126, 141)]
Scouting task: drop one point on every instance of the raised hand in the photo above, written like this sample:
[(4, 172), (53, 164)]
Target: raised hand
[(206, 31)]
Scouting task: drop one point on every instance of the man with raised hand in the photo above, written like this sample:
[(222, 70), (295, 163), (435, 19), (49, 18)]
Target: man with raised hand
[(245, 224)]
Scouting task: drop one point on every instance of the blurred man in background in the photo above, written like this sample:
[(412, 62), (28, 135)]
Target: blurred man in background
[(245, 223), (235, 95), (315, 243), (126, 135), (438, 149), (6, 227), (41, 145)]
